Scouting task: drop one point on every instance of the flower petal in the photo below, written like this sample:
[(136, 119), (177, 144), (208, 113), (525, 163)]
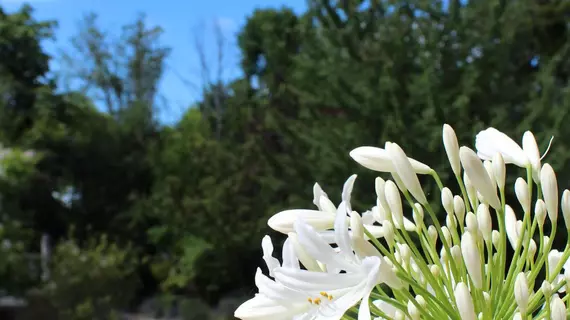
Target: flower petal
[(275, 290), (270, 261), (318, 248), (290, 259), (377, 159), (262, 308), (341, 233), (284, 220), (491, 141), (315, 282)]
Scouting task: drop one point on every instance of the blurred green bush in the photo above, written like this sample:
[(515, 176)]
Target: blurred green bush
[(93, 281)]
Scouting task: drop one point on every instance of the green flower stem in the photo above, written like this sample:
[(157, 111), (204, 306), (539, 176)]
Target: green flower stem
[(437, 179), (447, 309), (419, 261), (437, 225), (516, 267), (488, 275), (463, 193), (397, 304), (378, 312)]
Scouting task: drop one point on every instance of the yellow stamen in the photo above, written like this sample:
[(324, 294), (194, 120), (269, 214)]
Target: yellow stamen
[(317, 301), (310, 300)]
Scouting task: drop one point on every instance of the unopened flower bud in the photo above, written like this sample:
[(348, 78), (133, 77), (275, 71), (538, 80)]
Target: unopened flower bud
[(413, 311), (540, 212), (565, 204), (394, 202), (532, 249), (489, 168), (499, 170), (478, 176), (511, 226), (450, 222), (421, 301), (472, 258), (456, 253), (447, 200), (398, 315), (405, 252), (464, 302), (435, 270), (432, 234), (459, 209), (446, 234), (444, 256), (484, 221), (472, 224), (521, 190), (521, 292), (380, 185), (557, 308), (549, 191), (546, 288), (451, 148), (406, 172)]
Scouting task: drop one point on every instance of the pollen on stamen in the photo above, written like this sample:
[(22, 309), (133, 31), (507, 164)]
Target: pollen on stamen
[(317, 301), (310, 300)]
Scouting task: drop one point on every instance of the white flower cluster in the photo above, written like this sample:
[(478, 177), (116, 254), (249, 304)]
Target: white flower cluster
[(490, 260)]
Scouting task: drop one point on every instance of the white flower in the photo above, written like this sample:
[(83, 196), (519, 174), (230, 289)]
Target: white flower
[(263, 305), (491, 141), (378, 159), (303, 294)]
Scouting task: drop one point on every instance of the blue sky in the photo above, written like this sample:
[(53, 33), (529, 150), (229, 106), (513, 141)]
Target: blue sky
[(180, 20)]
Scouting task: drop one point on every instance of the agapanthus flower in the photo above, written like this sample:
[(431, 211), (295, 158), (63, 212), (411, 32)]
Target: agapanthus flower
[(479, 258)]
